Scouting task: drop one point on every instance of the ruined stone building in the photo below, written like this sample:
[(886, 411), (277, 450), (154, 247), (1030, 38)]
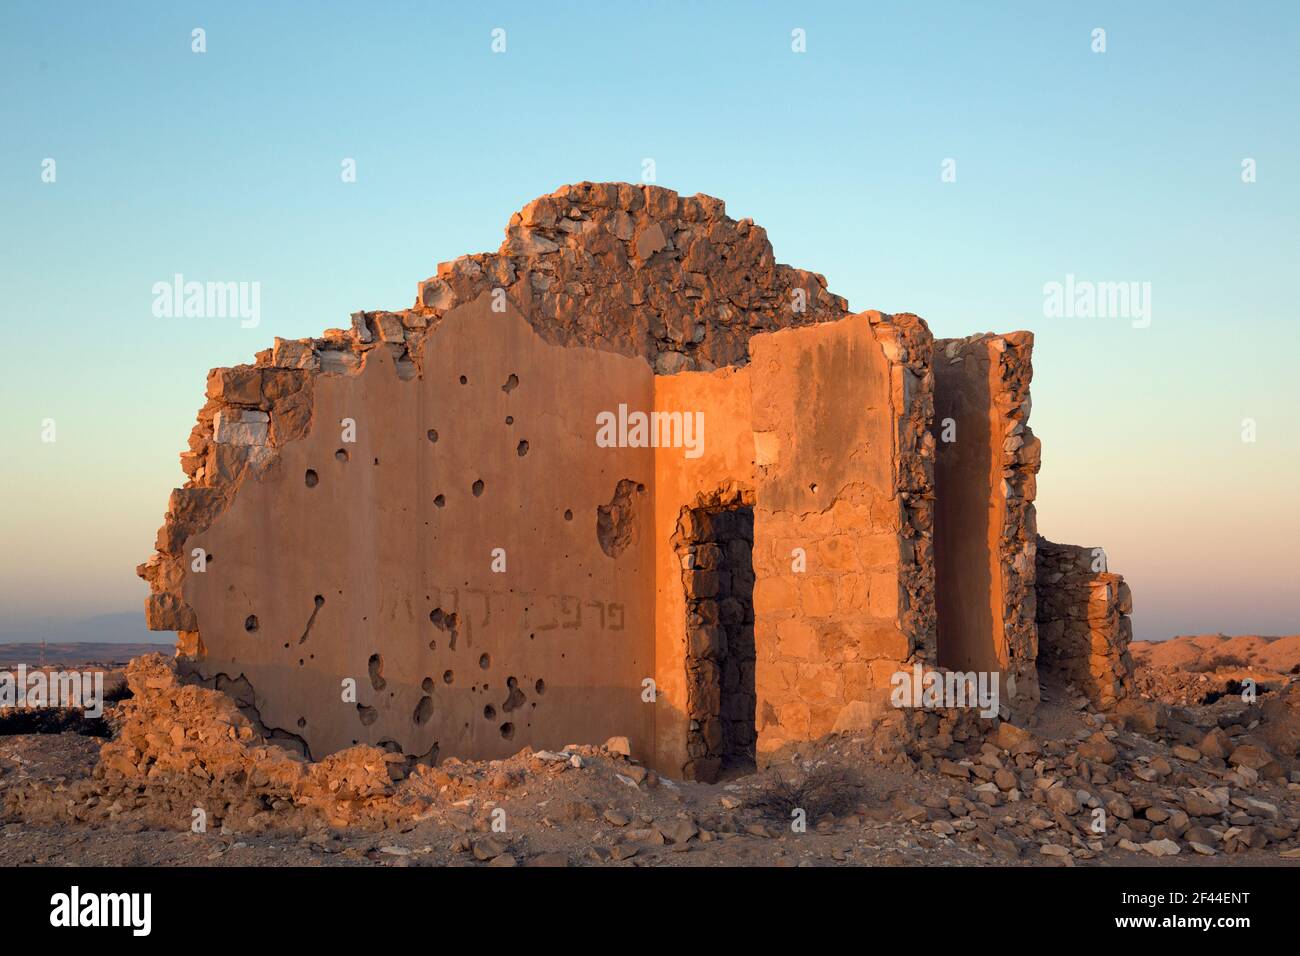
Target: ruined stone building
[(625, 476)]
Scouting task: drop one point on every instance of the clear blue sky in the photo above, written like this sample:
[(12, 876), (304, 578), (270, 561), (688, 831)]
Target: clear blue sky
[(1118, 166)]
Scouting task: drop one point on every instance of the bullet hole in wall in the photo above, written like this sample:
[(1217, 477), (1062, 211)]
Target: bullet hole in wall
[(507, 730), (515, 699), (478, 488), (464, 380), (444, 621), (311, 478), (376, 668), (439, 501), (489, 712), (342, 454), (568, 515), (521, 449), (616, 522), (511, 384), (485, 661), (367, 715), (510, 419), (250, 623), (423, 711), (426, 685), (448, 677), (540, 686), (319, 601), (433, 434)]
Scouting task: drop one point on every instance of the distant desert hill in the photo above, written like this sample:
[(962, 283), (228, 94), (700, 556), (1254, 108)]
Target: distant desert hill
[(126, 627), (74, 653), (1204, 652)]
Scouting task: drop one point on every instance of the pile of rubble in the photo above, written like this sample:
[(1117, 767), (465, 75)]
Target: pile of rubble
[(183, 754), (1145, 778)]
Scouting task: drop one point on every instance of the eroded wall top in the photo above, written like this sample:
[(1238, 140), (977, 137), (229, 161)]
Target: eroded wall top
[(636, 270), (641, 271)]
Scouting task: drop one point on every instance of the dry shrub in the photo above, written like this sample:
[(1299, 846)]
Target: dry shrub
[(825, 789)]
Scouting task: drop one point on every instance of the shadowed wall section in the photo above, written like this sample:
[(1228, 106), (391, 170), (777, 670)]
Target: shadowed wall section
[(986, 465)]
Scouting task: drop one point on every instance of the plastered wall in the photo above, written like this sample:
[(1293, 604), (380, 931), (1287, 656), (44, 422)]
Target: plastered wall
[(394, 538)]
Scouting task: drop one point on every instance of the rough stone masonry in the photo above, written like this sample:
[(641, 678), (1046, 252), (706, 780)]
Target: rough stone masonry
[(405, 533)]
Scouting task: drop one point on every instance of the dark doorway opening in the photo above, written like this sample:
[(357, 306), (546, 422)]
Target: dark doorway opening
[(716, 548)]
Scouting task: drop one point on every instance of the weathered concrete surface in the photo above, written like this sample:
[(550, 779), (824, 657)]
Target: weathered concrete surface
[(395, 543), (844, 471)]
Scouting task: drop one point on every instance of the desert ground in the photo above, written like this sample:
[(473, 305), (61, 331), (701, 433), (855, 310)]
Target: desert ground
[(1187, 773)]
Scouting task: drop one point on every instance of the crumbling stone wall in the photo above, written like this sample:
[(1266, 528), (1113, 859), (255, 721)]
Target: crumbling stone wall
[(296, 557), (985, 482), (1083, 624), (635, 270), (641, 271)]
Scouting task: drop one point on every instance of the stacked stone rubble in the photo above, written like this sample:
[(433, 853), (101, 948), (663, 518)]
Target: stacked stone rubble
[(908, 344), (1083, 625), (1017, 547), (717, 573), (641, 271)]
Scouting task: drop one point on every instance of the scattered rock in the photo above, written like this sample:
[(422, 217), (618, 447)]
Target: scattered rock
[(1162, 848)]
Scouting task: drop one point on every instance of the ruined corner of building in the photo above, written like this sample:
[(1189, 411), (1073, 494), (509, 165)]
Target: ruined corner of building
[(627, 475)]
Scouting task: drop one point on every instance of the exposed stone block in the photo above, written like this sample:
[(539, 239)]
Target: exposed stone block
[(240, 427), (297, 354), (241, 385)]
